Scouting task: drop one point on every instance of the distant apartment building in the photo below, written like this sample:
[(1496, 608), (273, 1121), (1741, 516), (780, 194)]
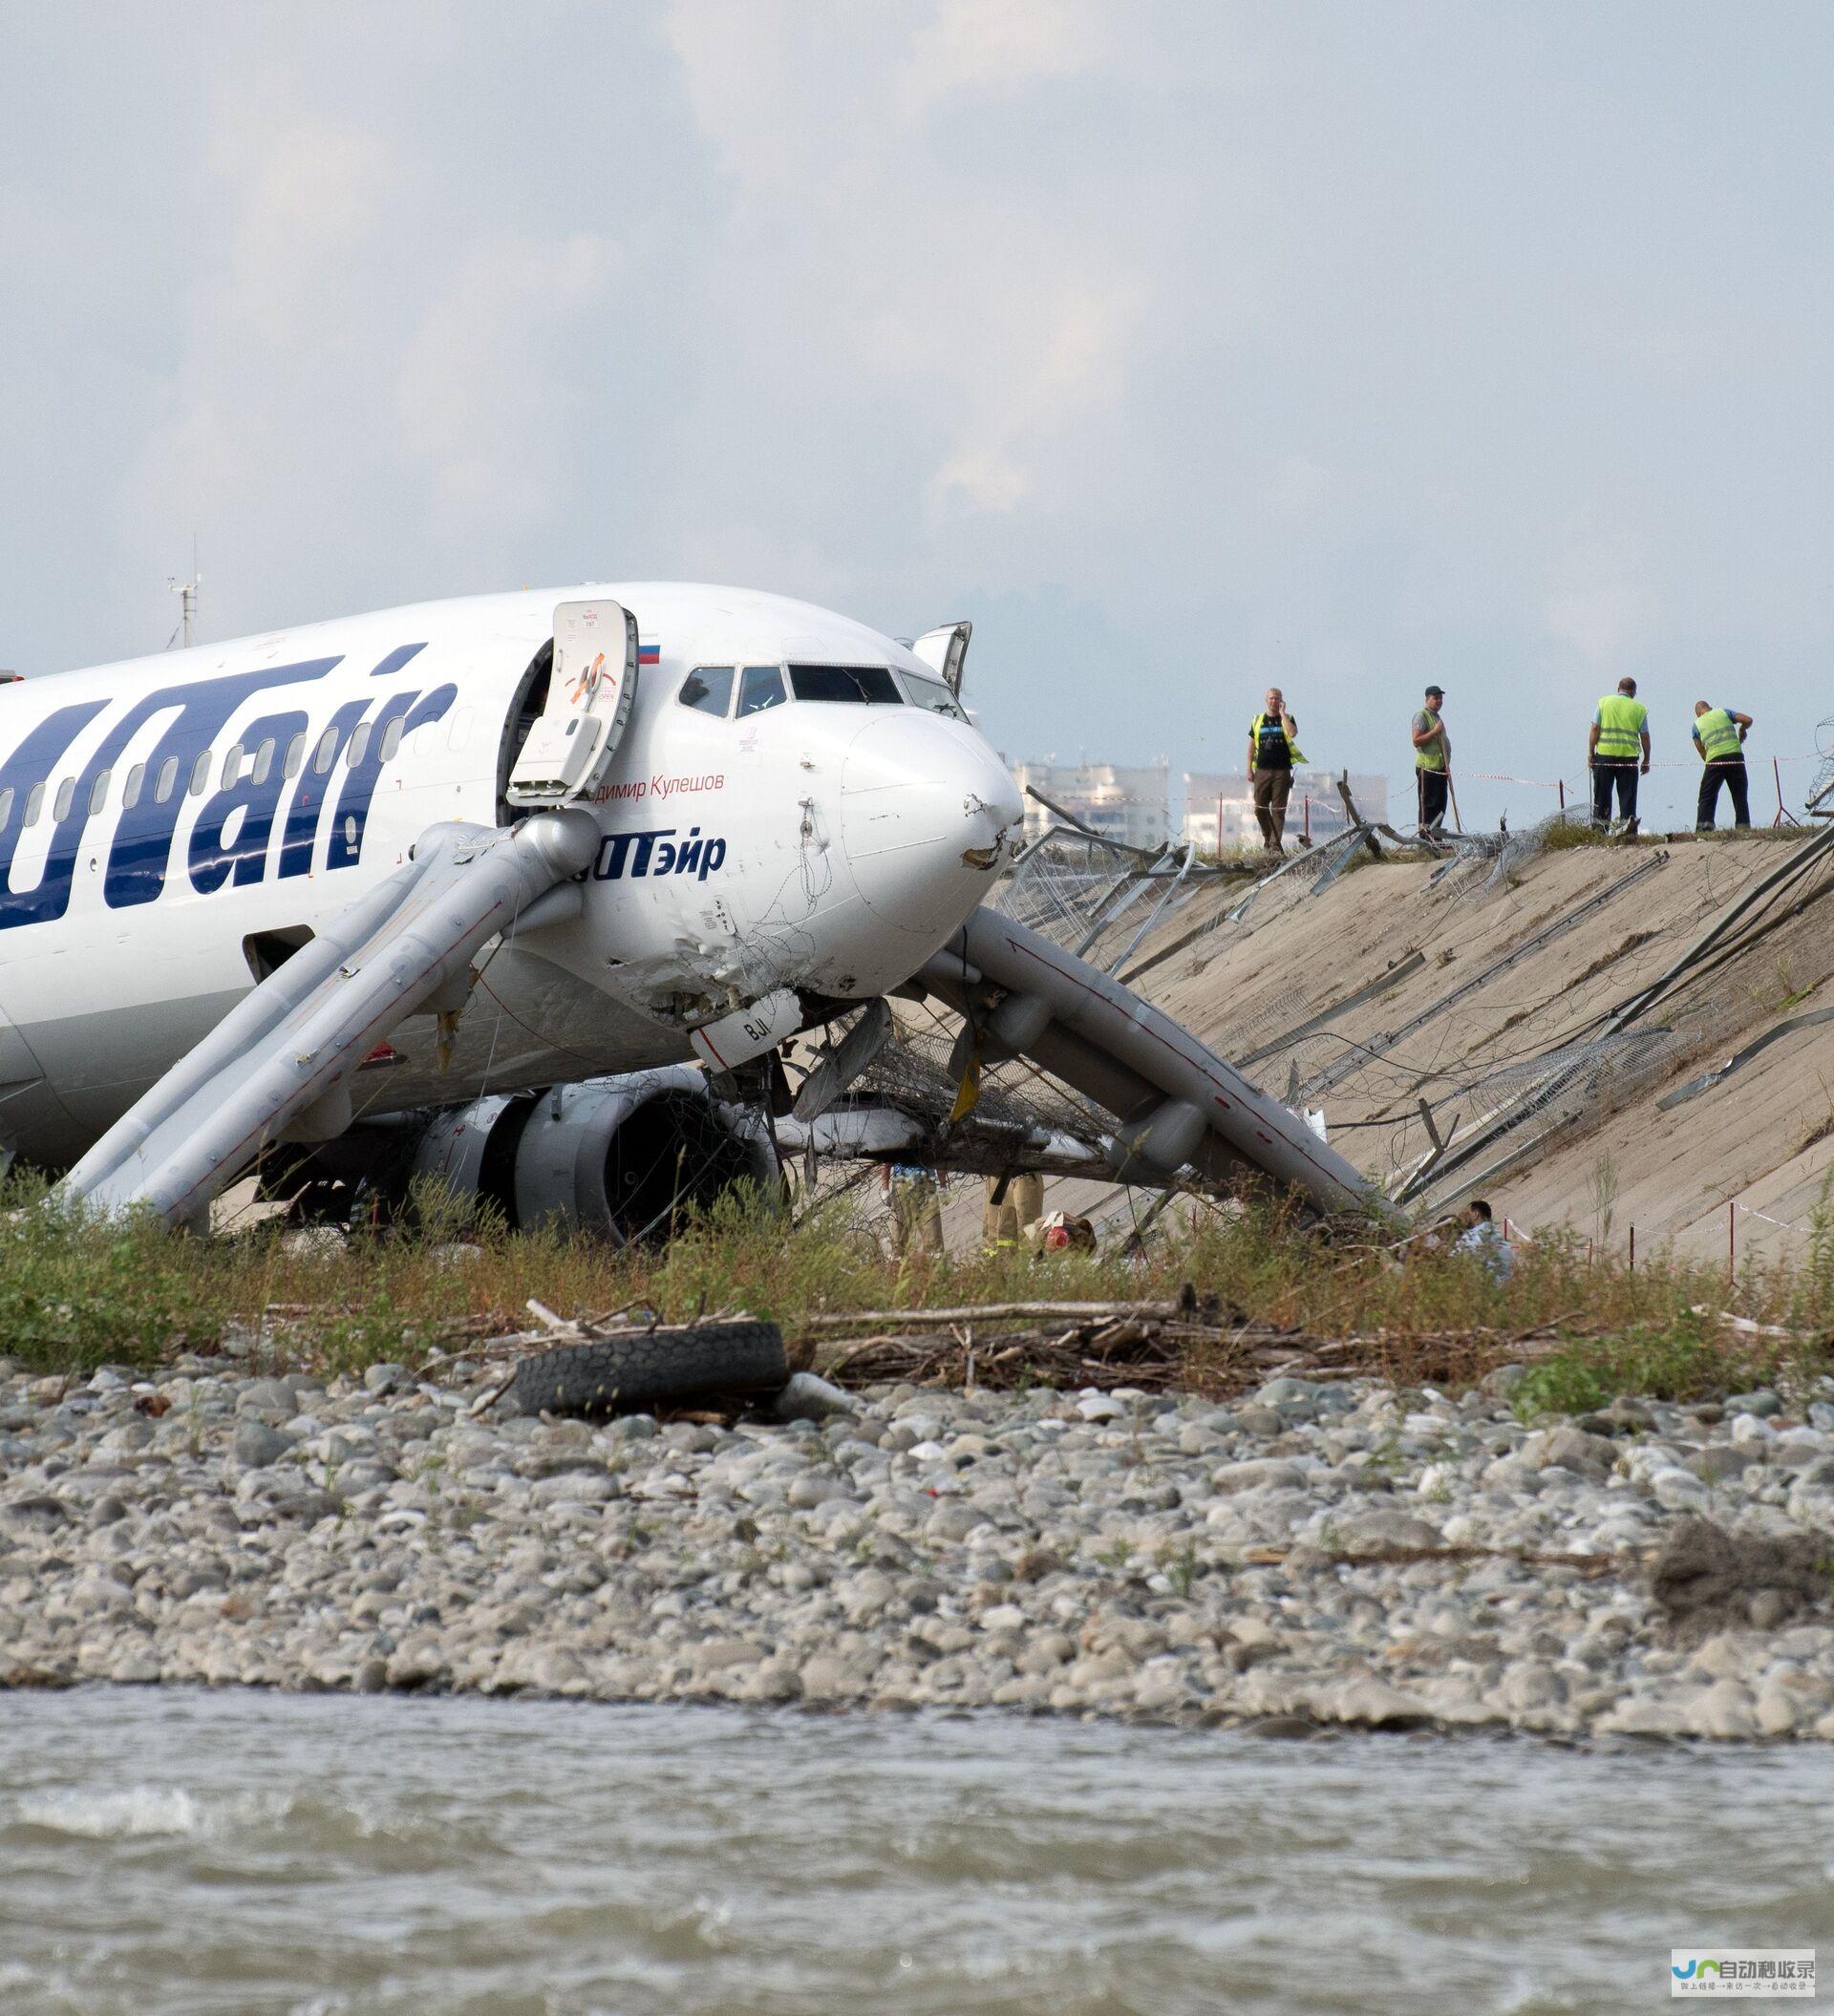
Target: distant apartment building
[(1119, 802), (1219, 810)]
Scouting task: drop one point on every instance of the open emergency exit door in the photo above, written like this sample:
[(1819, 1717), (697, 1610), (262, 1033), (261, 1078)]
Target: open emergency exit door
[(945, 651), (590, 690)]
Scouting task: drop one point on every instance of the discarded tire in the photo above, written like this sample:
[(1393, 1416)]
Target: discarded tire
[(618, 1372)]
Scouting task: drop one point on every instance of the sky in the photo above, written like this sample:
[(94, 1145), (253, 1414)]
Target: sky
[(1182, 347)]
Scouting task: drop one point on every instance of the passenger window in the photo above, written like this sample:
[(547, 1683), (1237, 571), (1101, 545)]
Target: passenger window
[(66, 796), (201, 775), (390, 741), (707, 690), (131, 793), (232, 766), (35, 804), (861, 684), (6, 805), (762, 687), (168, 781), (99, 792), (264, 761), (359, 745), (295, 757), (326, 753)]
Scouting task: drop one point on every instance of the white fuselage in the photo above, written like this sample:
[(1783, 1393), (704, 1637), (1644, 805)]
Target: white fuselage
[(169, 825)]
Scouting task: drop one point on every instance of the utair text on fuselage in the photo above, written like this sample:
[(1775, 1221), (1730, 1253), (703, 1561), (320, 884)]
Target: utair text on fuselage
[(794, 803)]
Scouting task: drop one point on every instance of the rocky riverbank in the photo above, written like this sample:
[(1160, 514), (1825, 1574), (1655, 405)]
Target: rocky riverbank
[(1340, 1553)]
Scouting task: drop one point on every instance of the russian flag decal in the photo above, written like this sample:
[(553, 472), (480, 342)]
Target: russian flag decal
[(647, 653)]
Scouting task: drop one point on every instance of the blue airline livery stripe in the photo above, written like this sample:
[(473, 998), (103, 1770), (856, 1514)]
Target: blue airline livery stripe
[(396, 659), (232, 833)]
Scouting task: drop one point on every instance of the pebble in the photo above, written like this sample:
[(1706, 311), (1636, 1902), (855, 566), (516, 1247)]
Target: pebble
[(257, 1445), (1087, 1554)]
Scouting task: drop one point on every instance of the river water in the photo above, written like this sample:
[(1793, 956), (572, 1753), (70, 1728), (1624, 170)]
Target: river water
[(241, 1852)]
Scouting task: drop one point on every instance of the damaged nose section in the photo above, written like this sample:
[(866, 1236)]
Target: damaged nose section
[(927, 812)]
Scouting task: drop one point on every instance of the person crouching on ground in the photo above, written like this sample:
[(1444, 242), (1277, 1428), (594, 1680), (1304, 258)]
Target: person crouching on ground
[(1273, 748), (1719, 735), (1482, 1237)]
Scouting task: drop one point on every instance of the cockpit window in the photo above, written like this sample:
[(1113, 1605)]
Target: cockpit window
[(931, 693), (761, 686), (708, 689), (871, 683)]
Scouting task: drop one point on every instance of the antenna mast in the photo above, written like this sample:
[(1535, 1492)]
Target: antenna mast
[(187, 593)]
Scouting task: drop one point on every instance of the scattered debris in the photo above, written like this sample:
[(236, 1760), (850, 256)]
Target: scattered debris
[(634, 1368), (1154, 1346), (1707, 1580)]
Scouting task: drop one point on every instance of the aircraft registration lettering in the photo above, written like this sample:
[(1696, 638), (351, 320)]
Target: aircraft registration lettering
[(659, 852)]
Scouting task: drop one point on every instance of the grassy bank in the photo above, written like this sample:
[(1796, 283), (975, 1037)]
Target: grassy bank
[(75, 1295)]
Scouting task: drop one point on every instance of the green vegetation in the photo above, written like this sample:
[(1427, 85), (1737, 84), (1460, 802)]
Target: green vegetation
[(1576, 830), (75, 1294), (1680, 1363)]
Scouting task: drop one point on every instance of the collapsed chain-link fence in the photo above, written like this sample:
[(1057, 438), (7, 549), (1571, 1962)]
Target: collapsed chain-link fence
[(1101, 900)]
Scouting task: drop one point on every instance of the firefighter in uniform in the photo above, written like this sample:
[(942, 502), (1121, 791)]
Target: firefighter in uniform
[(1719, 735), (1619, 738)]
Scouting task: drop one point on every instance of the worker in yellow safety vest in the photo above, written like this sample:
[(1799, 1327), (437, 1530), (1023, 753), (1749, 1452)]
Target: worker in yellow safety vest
[(1719, 735), (1620, 734), (1273, 748), (1432, 760)]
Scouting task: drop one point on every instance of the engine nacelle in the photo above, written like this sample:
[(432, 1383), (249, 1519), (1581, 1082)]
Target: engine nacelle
[(620, 1158)]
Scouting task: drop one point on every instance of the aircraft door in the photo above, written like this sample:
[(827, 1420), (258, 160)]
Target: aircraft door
[(945, 651), (589, 696)]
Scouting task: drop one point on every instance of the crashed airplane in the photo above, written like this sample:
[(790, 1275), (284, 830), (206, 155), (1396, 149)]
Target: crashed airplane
[(529, 892)]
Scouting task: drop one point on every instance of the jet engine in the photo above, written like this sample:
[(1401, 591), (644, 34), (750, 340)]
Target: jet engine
[(620, 1159)]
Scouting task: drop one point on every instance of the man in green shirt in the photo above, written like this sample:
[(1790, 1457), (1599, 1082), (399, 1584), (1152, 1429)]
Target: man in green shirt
[(1432, 760), (1719, 735), (1620, 731)]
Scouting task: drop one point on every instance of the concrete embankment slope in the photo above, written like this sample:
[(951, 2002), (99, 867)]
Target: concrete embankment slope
[(1494, 997)]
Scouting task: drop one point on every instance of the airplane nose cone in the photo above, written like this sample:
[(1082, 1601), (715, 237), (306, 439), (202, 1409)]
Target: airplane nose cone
[(925, 809)]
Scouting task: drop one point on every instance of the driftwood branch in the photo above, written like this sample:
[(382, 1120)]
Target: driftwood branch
[(996, 1313)]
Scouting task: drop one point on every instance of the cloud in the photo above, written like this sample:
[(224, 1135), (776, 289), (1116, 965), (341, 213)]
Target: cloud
[(1356, 348), (263, 410), (1030, 362), (971, 45), (484, 386), (1598, 603), (1604, 623), (308, 192), (876, 271)]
